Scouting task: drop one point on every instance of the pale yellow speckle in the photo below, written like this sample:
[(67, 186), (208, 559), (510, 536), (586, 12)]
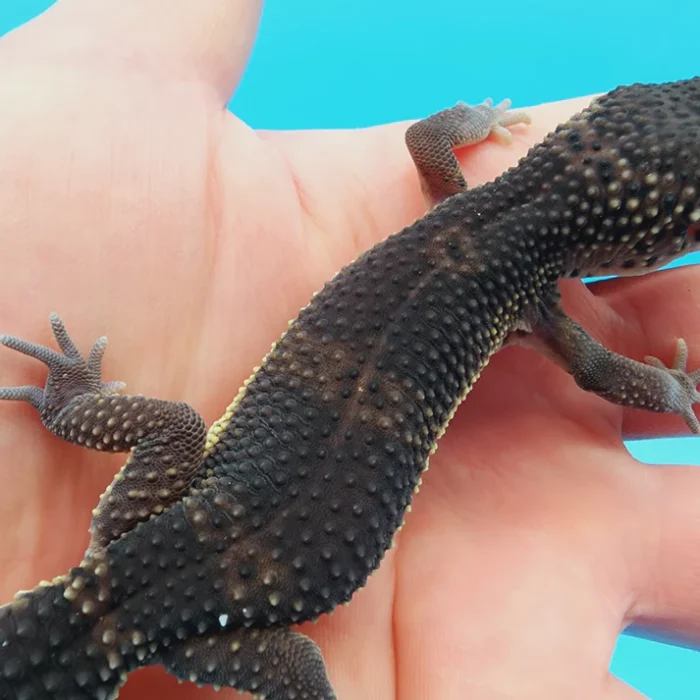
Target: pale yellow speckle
[(114, 660)]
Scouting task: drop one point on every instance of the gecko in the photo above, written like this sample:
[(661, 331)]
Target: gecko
[(210, 546)]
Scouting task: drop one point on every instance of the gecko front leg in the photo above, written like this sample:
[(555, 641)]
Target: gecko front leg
[(165, 439), (431, 143)]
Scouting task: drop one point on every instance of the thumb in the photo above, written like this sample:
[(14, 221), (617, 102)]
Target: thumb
[(208, 41)]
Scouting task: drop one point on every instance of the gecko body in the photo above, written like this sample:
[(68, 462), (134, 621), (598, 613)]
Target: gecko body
[(209, 545)]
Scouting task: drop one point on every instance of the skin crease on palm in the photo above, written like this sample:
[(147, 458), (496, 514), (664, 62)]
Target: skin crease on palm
[(136, 206)]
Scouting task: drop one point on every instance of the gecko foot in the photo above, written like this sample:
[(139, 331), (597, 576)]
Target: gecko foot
[(70, 374), (684, 387), (497, 119)]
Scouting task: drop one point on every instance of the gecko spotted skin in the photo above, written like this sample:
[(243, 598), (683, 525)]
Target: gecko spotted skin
[(209, 546)]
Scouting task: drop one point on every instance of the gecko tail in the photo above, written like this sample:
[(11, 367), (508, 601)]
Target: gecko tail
[(47, 645)]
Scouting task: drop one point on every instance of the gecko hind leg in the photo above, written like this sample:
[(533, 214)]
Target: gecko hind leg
[(431, 143), (275, 663), (165, 439), (649, 385)]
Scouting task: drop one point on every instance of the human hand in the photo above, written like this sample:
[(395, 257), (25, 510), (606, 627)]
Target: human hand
[(135, 205)]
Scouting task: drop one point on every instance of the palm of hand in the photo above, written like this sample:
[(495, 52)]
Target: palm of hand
[(136, 206)]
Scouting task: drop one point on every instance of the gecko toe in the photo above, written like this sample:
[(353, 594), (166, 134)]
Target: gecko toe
[(32, 395), (97, 351), (65, 342), (680, 361), (38, 352), (691, 421)]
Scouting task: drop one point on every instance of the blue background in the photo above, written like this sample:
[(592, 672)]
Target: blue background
[(350, 63)]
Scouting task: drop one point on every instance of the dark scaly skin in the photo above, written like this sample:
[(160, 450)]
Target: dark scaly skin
[(307, 476)]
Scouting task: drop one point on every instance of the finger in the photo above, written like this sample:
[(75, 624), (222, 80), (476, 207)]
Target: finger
[(615, 689), (207, 40), (667, 606), (639, 316)]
